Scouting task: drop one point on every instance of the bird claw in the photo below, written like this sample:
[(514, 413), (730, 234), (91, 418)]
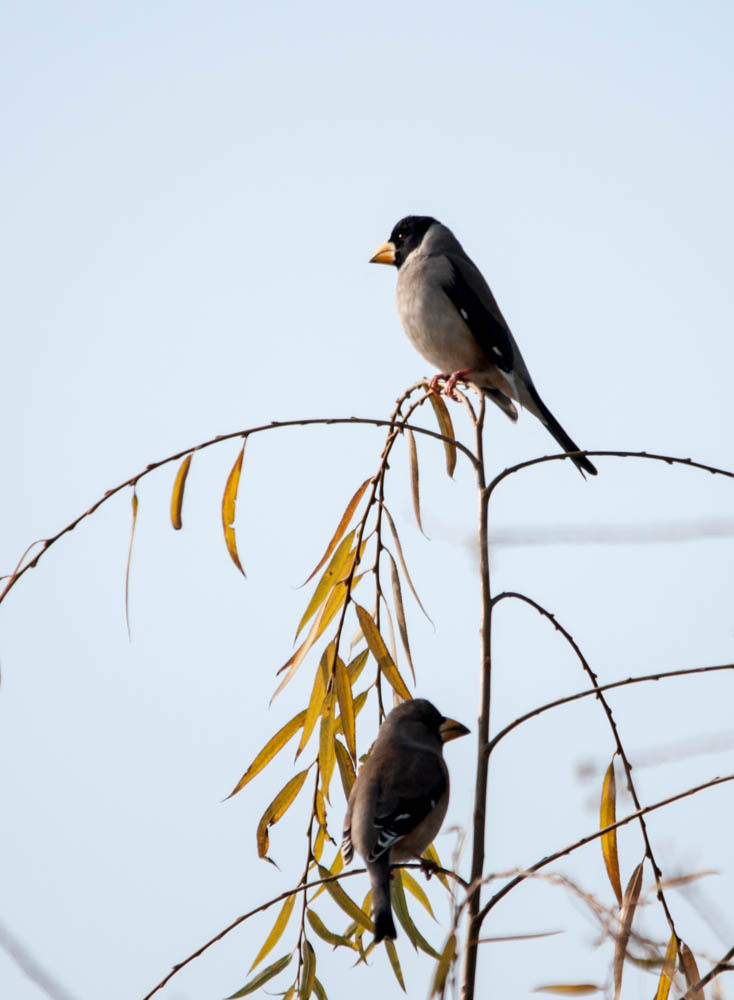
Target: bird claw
[(428, 867), (433, 385), (459, 376)]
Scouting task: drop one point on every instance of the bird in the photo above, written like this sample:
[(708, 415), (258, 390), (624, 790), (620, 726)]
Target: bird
[(399, 800), (451, 317)]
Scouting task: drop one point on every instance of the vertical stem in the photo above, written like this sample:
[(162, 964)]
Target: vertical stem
[(485, 678)]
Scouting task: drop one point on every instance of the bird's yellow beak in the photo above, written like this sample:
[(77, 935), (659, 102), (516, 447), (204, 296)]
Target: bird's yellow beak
[(450, 729), (384, 254)]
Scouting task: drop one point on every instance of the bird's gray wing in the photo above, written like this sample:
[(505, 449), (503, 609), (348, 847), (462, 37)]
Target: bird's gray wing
[(406, 798), (474, 302)]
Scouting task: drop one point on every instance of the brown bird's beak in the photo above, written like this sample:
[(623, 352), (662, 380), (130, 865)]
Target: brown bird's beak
[(384, 254), (450, 729)]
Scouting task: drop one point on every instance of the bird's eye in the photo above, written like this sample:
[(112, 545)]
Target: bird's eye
[(401, 236)]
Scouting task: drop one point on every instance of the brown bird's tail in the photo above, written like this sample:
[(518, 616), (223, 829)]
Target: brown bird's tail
[(381, 909), (541, 411)]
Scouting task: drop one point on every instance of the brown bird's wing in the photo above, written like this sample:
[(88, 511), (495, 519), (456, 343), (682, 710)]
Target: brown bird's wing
[(405, 799)]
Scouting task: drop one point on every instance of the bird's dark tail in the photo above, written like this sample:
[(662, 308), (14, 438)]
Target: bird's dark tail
[(546, 417), (379, 871)]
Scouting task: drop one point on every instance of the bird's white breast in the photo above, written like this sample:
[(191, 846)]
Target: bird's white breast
[(429, 317)]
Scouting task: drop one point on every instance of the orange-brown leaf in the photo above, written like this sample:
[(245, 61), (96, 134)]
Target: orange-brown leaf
[(446, 428), (690, 971), (229, 501), (626, 916), (341, 527), (380, 653), (569, 989), (178, 492), (282, 801), (608, 816)]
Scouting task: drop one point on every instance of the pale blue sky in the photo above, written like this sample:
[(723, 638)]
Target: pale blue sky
[(190, 197)]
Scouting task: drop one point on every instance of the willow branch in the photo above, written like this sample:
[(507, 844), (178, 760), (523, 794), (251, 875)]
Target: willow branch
[(723, 965)]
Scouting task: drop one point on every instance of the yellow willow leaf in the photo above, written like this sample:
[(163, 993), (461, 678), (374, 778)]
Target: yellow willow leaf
[(690, 971), (401, 558), (415, 479), (346, 768), (341, 527), (320, 807), (178, 492), (392, 954), (276, 933), (608, 816), (400, 908), (666, 976), (327, 753), (626, 916), (358, 706), (397, 595), (276, 809), (336, 867), (263, 977), (134, 500), (336, 940), (380, 653), (332, 574), (356, 667), (308, 971), (444, 965), (318, 846), (319, 989), (391, 633), (228, 508), (446, 428), (320, 624), (431, 854), (271, 748), (316, 701), (345, 902), (416, 890), (346, 706), (569, 989)]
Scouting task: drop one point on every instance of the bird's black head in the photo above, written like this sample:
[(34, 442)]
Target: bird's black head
[(405, 237), (422, 712)]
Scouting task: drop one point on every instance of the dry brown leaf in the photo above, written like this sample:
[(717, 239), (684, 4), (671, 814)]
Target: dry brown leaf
[(229, 501), (415, 479), (401, 558), (608, 816), (178, 492), (446, 428), (400, 611), (626, 916), (340, 529), (569, 989), (690, 971)]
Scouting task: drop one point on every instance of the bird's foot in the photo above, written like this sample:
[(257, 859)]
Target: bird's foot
[(428, 867), (433, 385), (459, 376)]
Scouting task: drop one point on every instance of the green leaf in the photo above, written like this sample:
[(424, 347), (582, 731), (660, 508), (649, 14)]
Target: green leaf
[(308, 971), (263, 977)]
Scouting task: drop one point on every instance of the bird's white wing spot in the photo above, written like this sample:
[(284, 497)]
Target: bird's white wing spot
[(464, 313), (497, 351)]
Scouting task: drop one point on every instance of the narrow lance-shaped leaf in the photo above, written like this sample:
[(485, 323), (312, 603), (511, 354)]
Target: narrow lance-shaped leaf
[(415, 479), (308, 971), (134, 500), (262, 977), (355, 668), (327, 753), (690, 971), (346, 902), (629, 904), (380, 653), (392, 954), (346, 705), (341, 528), (316, 701), (337, 866), (332, 574), (271, 748), (276, 809), (397, 596), (276, 933), (431, 854), (400, 908), (319, 989), (229, 500), (446, 428), (178, 491), (608, 816), (666, 976), (569, 989), (346, 768), (444, 965), (319, 928), (416, 889), (401, 558)]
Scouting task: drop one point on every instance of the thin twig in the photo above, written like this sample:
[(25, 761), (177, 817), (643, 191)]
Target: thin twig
[(721, 966), (31, 966)]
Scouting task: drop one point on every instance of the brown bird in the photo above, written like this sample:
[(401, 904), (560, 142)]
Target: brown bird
[(400, 798)]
